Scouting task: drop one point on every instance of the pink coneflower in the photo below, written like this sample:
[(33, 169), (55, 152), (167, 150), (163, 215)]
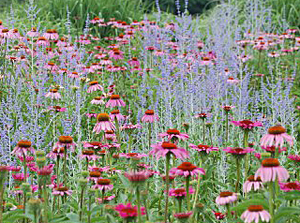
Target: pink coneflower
[(290, 186), (295, 158), (247, 124), (57, 109), (103, 123), (137, 177), (94, 174), (56, 152), (201, 115), (180, 192), (276, 136), (91, 115), (255, 213), (106, 199), (227, 108), (252, 183), (150, 117), (237, 151), (128, 211), (206, 61), (219, 215), (97, 101), (231, 80), (96, 20), (103, 185), (46, 170), (273, 54), (110, 136), (226, 198), (203, 148), (61, 191), (22, 148), (53, 94), (94, 86), (88, 154), (163, 148), (19, 176), (133, 155), (65, 142), (174, 133), (134, 62), (115, 114), (42, 41), (187, 169), (183, 217), (32, 33), (272, 149), (270, 170), (114, 101), (94, 145), (51, 34), (130, 127)]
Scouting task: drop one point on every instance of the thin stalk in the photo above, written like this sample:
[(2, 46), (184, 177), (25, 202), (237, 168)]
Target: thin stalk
[(1, 200), (227, 128), (179, 205), (138, 204), (150, 132), (45, 204), (187, 184), (246, 136), (168, 156), (81, 203), (271, 203), (89, 206), (25, 168), (203, 131), (238, 175), (210, 136), (65, 166)]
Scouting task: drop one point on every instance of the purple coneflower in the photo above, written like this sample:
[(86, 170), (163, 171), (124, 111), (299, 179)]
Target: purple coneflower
[(115, 114), (115, 101), (53, 94), (290, 186), (276, 136), (150, 117), (65, 142), (94, 86), (226, 198), (206, 149), (247, 124), (180, 192), (270, 170), (187, 169), (183, 217), (255, 213), (128, 211), (88, 154), (103, 185), (22, 148), (133, 155), (137, 177), (103, 123), (61, 191), (97, 101), (237, 151), (174, 133), (252, 183), (163, 148)]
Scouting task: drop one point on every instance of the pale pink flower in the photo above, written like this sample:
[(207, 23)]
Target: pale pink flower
[(22, 148), (45, 170), (61, 191), (65, 142), (137, 176), (98, 101), (133, 155), (88, 154), (255, 213), (106, 198), (150, 117), (270, 170), (53, 94), (237, 151), (252, 183), (103, 123), (103, 185), (276, 136), (226, 198), (94, 86), (203, 148), (114, 101)]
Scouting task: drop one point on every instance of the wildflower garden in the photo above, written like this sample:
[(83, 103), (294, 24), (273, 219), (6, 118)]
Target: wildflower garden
[(153, 117)]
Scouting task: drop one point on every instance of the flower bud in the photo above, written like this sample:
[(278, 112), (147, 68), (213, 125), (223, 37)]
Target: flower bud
[(85, 174), (82, 182), (34, 205), (41, 161), (40, 153), (265, 155)]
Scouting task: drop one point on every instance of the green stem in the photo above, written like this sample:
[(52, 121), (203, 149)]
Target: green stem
[(1, 200), (138, 204), (57, 170), (188, 193), (179, 205), (203, 131), (238, 175), (168, 156), (45, 204), (246, 136), (210, 136), (118, 131), (130, 142), (271, 203), (81, 204), (227, 129), (25, 168), (150, 132), (89, 214), (228, 210), (65, 166)]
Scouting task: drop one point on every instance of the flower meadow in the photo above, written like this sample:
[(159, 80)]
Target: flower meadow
[(160, 121)]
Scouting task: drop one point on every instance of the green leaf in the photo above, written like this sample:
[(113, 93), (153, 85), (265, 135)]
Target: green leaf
[(287, 212)]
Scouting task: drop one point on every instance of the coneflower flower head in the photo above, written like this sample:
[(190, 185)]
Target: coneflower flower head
[(164, 148), (247, 124), (115, 101), (255, 213), (252, 183), (150, 117), (226, 198), (103, 123), (270, 170), (276, 136)]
